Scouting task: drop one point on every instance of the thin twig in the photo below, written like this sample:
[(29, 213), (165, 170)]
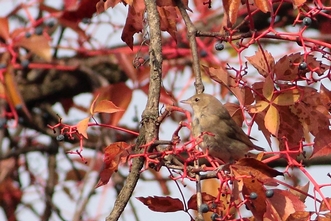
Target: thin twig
[(191, 32)]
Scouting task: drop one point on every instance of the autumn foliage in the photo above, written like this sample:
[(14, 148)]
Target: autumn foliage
[(268, 61)]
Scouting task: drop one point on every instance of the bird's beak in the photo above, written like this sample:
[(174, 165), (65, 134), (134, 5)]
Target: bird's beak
[(185, 102)]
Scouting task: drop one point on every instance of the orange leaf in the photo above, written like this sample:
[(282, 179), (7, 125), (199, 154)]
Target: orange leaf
[(284, 203), (12, 92), (300, 216), (263, 5), (106, 106), (92, 107), (82, 127), (102, 6), (231, 8), (271, 120), (37, 44), (162, 204), (166, 97), (263, 62), (303, 194), (323, 206), (4, 28), (120, 94), (298, 3)]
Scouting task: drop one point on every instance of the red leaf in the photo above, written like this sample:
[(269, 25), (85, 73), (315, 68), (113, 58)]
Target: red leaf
[(222, 76), (322, 145), (166, 97), (114, 153), (206, 198), (168, 19), (162, 204), (134, 22), (67, 103)]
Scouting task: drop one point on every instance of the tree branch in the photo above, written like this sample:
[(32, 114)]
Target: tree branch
[(149, 129), (191, 32)]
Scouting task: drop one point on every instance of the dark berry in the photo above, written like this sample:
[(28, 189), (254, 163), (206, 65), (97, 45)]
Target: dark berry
[(135, 119), (19, 107), (25, 63), (204, 208), (86, 20), (50, 23), (219, 46), (60, 137), (27, 34), (269, 193), (213, 206), (307, 21), (303, 66), (213, 216), (2, 66), (203, 53), (38, 30), (253, 195), (3, 122)]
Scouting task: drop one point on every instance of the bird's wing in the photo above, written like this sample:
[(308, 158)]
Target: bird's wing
[(238, 134)]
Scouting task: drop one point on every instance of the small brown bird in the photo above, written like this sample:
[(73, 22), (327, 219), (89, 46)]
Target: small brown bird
[(226, 140)]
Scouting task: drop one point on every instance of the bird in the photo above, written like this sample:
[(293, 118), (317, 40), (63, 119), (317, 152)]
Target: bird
[(223, 138)]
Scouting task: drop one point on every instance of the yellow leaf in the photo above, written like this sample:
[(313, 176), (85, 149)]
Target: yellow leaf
[(259, 107), (287, 98), (271, 120), (82, 126), (268, 88)]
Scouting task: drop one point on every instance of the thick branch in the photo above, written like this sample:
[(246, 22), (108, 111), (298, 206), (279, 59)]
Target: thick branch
[(149, 129)]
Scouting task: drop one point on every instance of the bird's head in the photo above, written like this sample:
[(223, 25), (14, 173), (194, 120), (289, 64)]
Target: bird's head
[(199, 102)]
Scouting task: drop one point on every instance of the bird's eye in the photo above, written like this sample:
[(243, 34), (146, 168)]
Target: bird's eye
[(196, 99)]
